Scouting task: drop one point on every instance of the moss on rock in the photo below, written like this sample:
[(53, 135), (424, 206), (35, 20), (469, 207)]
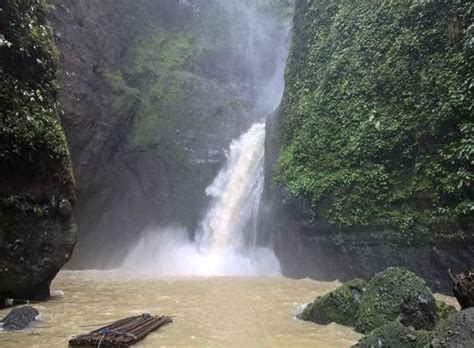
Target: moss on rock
[(37, 234), (396, 294), (377, 115), (339, 306), (32, 142), (156, 72), (395, 334), (443, 310)]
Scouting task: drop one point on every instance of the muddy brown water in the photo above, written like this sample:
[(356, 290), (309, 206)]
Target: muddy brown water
[(208, 312)]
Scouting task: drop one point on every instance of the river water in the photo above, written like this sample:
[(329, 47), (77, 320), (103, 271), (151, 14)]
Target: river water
[(208, 312)]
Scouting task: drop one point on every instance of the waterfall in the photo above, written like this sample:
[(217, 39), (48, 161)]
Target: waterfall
[(226, 239), (225, 242), (236, 191)]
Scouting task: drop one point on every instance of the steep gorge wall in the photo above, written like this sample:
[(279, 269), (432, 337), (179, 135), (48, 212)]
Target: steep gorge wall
[(153, 93), (37, 231), (370, 155)]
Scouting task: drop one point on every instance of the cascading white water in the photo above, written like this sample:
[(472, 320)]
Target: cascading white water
[(236, 192), (226, 240)]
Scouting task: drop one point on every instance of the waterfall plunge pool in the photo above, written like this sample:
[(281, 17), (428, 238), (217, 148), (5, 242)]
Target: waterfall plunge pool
[(207, 311)]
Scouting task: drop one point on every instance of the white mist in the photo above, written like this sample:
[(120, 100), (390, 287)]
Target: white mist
[(225, 242)]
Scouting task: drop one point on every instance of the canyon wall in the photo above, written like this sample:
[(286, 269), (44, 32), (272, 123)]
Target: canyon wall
[(369, 159), (37, 231)]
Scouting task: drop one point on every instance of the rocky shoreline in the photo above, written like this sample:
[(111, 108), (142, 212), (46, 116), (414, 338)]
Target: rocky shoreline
[(394, 309)]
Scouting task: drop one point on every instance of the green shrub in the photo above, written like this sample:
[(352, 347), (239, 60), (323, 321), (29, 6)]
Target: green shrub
[(377, 113)]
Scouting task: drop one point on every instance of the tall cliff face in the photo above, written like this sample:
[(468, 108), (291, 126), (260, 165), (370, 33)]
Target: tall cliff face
[(376, 140), (37, 232), (153, 93)]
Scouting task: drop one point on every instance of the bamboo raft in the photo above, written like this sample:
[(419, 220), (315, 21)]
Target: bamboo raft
[(122, 333)]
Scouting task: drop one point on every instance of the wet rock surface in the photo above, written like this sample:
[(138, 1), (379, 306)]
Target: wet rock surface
[(455, 331), (394, 309), (393, 295), (394, 334), (396, 294), (339, 306), (19, 318), (36, 236)]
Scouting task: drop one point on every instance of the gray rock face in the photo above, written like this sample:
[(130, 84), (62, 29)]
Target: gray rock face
[(89, 43), (394, 334), (455, 331), (19, 318), (33, 252)]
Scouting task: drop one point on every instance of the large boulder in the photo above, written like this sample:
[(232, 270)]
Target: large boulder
[(37, 232), (395, 334), (396, 294), (455, 331), (19, 318), (339, 306)]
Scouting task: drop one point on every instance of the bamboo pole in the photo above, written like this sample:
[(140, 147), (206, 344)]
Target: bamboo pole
[(122, 333)]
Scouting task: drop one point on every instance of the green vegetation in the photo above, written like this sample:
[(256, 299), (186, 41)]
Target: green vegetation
[(165, 56), (395, 334), (159, 68), (37, 236), (151, 76), (32, 144), (377, 117), (396, 294), (339, 306), (394, 309), (444, 310)]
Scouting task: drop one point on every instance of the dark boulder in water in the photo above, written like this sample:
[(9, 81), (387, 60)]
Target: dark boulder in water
[(393, 295), (20, 318), (339, 306), (395, 334), (396, 294)]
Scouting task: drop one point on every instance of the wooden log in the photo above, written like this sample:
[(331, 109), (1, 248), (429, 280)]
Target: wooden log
[(122, 333), (155, 325), (463, 288)]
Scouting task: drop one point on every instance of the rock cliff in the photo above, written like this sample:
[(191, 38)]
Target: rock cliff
[(37, 232), (368, 158)]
